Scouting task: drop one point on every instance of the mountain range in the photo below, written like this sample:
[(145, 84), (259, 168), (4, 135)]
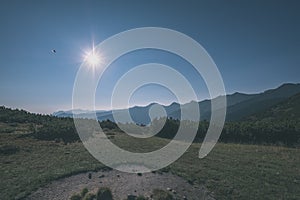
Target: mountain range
[(240, 106), (286, 110)]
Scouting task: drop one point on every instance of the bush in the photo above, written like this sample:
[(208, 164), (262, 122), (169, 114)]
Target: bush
[(75, 197), (141, 198), (104, 194)]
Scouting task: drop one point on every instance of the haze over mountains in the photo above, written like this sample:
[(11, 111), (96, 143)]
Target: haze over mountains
[(239, 106)]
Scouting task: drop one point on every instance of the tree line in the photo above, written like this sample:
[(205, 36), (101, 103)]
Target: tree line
[(283, 132), (279, 132)]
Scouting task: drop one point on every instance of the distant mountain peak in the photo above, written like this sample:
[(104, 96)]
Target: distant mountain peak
[(239, 106), (238, 94), (289, 84)]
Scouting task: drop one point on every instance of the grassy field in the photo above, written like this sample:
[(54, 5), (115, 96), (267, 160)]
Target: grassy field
[(230, 171), (36, 163), (235, 171)]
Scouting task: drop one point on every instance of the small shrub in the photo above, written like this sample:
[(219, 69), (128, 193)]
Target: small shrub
[(75, 197), (141, 198), (104, 194)]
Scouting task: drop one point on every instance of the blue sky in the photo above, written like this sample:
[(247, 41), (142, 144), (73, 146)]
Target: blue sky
[(255, 45)]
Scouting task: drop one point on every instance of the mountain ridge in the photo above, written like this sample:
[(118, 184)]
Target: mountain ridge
[(239, 106)]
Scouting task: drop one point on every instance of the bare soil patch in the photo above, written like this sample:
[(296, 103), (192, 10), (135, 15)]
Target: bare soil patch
[(121, 185)]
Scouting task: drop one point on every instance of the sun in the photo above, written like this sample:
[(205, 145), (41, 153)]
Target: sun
[(93, 58)]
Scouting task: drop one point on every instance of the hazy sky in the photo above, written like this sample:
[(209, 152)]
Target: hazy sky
[(255, 45)]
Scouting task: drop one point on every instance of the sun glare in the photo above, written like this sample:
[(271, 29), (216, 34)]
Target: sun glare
[(93, 58)]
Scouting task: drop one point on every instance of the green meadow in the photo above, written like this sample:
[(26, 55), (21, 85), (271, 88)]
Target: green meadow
[(230, 171)]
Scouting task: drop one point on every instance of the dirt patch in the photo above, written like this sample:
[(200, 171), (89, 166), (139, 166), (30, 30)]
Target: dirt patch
[(121, 185)]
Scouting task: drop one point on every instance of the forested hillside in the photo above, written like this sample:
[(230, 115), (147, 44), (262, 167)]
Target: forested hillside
[(44, 127), (279, 124)]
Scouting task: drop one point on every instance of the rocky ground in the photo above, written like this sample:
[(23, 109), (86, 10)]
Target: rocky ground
[(121, 185)]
